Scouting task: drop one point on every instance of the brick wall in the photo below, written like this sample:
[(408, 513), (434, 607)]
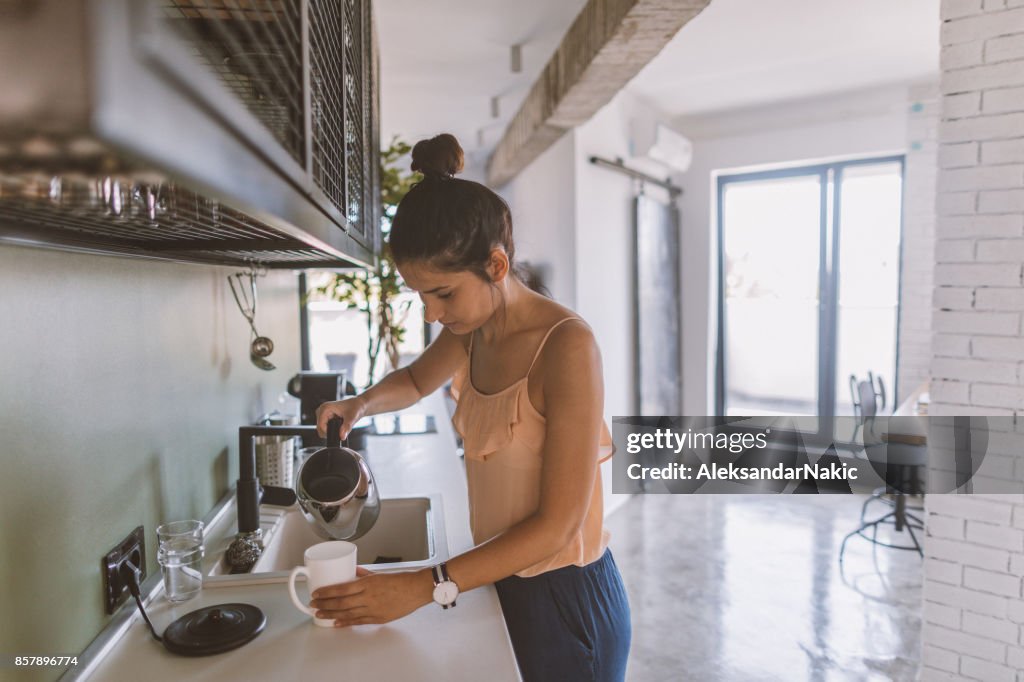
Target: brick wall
[(973, 609)]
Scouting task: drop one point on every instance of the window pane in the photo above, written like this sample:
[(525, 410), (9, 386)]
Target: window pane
[(869, 256), (771, 242)]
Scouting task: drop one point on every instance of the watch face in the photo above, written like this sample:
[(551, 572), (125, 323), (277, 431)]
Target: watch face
[(446, 592)]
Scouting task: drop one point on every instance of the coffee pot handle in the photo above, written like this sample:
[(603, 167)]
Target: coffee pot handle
[(334, 432)]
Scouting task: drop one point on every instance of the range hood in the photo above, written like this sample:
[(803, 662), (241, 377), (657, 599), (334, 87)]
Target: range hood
[(212, 131)]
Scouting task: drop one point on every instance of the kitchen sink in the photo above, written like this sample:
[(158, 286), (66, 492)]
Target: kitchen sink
[(409, 533)]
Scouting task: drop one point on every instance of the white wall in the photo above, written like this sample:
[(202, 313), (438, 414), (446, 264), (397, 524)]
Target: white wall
[(918, 267), (865, 123), (543, 203), (124, 382), (974, 555), (604, 257), (578, 219)]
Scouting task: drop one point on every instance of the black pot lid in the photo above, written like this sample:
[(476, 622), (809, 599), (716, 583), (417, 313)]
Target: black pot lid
[(214, 629)]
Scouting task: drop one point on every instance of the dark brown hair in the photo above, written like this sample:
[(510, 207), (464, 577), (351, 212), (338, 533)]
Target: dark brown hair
[(451, 224)]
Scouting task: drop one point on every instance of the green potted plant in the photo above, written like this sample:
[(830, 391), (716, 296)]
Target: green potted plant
[(373, 292)]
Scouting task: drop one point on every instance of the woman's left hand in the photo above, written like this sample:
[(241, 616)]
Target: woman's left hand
[(373, 598)]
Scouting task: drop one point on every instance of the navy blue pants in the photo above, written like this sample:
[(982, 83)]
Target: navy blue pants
[(570, 624)]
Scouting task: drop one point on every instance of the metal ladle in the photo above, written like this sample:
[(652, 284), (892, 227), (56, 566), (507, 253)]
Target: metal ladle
[(260, 346)]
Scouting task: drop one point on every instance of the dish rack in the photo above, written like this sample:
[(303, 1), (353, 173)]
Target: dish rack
[(218, 131)]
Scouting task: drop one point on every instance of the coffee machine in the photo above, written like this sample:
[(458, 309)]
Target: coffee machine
[(315, 388)]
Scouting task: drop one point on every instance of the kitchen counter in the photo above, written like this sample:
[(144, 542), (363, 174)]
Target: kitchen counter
[(467, 643)]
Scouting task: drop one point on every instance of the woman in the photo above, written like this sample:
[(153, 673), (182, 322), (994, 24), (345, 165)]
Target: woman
[(527, 377)]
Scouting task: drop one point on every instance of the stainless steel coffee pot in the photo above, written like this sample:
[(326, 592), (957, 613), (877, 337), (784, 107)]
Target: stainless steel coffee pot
[(336, 491)]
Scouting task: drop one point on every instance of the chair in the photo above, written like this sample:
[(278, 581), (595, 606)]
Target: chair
[(902, 462), (867, 403)]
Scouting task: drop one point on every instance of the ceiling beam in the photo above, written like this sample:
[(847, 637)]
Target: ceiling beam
[(609, 42)]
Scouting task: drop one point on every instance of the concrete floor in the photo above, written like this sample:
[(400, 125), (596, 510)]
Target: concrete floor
[(749, 588)]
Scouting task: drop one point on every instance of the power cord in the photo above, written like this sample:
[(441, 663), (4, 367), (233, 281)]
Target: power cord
[(131, 573)]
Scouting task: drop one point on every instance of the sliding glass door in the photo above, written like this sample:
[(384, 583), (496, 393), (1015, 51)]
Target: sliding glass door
[(808, 285), (867, 310)]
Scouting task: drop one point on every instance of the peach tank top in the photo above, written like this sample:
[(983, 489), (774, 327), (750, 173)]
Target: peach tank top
[(503, 439)]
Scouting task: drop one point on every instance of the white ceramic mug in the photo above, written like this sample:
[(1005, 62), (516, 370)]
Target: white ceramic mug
[(326, 563)]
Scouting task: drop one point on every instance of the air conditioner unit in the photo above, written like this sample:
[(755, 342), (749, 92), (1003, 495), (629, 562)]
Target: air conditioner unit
[(656, 141)]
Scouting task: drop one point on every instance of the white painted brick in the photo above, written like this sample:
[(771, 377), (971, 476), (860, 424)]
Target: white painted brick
[(958, 155), (1003, 99), (957, 410), (991, 535), (982, 26), (1001, 250), (1009, 397), (954, 9), (1018, 511), (977, 323), (940, 614), (1003, 151), (982, 128), (971, 507), (1004, 48), (953, 345), (953, 298), (1011, 500), (981, 177), (943, 659), (1015, 3), (956, 203), (993, 628), (974, 370), (949, 527), (1004, 442), (990, 5), (961, 105), (1014, 611), (986, 670), (980, 226), (998, 349), (974, 78), (949, 392), (967, 600), (976, 274), (969, 555), (962, 56), (954, 251), (1001, 201), (936, 675), (998, 298), (1015, 657), (964, 643), (948, 572), (1017, 565), (995, 471)]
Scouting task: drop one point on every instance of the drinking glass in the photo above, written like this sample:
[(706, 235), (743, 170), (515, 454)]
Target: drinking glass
[(180, 555)]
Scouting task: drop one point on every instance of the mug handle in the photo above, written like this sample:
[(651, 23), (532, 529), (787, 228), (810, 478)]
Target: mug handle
[(291, 590)]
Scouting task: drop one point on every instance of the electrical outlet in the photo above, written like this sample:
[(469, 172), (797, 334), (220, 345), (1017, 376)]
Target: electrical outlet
[(132, 548)]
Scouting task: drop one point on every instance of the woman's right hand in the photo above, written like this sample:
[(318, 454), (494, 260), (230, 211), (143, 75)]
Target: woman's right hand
[(350, 410)]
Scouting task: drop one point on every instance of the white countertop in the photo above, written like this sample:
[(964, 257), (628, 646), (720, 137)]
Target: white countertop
[(469, 642)]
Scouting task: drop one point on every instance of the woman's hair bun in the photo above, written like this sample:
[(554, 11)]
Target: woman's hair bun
[(438, 156)]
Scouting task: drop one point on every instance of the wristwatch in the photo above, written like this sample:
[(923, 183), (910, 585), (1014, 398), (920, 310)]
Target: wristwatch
[(445, 590)]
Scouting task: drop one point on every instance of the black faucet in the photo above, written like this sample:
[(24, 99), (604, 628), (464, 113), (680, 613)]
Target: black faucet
[(250, 493)]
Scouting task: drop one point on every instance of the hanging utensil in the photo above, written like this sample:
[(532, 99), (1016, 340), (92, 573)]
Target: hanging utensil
[(245, 296)]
